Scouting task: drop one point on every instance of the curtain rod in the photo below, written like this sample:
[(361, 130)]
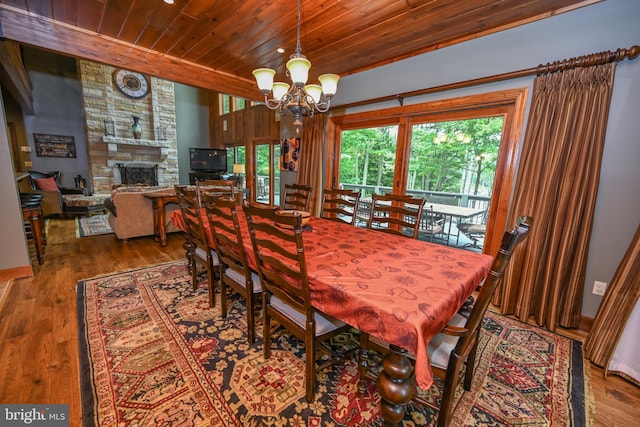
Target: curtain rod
[(581, 61)]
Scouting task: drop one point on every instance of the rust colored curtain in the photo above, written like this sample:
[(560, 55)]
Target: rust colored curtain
[(311, 158), (557, 185), (619, 301)]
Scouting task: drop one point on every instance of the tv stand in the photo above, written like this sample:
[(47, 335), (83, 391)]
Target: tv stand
[(201, 176)]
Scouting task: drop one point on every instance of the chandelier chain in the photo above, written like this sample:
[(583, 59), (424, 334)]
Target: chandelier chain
[(298, 45)]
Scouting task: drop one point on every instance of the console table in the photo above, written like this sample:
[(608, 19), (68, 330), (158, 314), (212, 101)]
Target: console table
[(201, 176), (159, 200)]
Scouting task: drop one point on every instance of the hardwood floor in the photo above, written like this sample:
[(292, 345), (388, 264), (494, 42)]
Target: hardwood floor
[(38, 325)]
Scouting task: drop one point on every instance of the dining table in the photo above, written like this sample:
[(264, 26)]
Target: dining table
[(395, 288), (454, 211)]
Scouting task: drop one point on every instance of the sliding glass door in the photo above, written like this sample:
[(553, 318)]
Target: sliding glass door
[(267, 179), (456, 154)]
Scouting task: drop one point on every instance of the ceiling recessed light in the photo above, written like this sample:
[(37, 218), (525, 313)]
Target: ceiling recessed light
[(280, 50), (168, 1)]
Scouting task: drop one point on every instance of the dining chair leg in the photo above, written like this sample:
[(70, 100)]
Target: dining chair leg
[(363, 364), (448, 393), (310, 349), (211, 283), (266, 328), (251, 318), (223, 294), (191, 260), (468, 375)]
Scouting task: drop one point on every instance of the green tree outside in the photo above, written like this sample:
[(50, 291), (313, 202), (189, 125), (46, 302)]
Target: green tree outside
[(456, 156)]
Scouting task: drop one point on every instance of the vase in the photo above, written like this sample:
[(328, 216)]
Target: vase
[(136, 128)]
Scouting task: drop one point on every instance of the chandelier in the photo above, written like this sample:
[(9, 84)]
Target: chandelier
[(299, 99)]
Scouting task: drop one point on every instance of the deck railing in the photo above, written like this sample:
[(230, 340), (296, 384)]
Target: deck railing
[(443, 198)]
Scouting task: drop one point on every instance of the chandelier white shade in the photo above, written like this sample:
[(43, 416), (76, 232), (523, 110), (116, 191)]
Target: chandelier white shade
[(298, 98)]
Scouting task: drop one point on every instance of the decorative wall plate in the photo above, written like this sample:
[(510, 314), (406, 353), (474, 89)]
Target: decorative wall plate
[(132, 84)]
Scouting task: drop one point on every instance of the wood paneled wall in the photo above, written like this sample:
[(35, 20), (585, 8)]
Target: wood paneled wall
[(241, 127)]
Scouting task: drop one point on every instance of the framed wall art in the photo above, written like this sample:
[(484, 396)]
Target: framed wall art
[(289, 154), (54, 145)]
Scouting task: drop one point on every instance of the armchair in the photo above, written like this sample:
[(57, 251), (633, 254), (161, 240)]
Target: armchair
[(48, 185)]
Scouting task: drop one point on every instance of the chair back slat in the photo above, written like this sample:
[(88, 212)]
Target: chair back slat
[(396, 214), (340, 205)]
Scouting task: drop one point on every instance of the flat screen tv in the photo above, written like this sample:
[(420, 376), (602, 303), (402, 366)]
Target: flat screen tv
[(208, 159)]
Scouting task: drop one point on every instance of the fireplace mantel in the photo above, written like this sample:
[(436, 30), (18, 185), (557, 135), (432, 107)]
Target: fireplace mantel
[(113, 143)]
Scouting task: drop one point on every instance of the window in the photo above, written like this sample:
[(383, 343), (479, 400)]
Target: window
[(230, 103), (225, 104), (367, 159), (239, 104)]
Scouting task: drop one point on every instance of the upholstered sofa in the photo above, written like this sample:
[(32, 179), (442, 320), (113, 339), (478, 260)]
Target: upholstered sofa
[(48, 185), (131, 214)]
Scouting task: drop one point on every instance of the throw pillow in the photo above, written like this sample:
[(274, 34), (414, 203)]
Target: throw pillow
[(47, 184)]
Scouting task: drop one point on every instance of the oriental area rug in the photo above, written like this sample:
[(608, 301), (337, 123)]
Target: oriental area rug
[(94, 225), (153, 353)]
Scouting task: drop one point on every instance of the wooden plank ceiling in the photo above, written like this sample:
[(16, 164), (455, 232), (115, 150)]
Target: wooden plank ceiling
[(216, 44)]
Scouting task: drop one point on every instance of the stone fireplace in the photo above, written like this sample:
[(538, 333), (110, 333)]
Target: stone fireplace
[(109, 118)]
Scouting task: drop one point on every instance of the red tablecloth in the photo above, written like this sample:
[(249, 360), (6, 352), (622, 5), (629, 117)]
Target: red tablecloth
[(398, 289)]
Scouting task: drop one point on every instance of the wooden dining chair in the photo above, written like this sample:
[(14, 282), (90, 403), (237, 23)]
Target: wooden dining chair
[(221, 187), (396, 214), (296, 197), (457, 344), (234, 271), (196, 243), (279, 252), (216, 183), (340, 205)]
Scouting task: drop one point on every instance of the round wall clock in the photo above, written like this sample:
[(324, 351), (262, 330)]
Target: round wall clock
[(131, 83)]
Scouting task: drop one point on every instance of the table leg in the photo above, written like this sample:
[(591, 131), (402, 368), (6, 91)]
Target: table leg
[(156, 220), (159, 217), (449, 227), (395, 385)]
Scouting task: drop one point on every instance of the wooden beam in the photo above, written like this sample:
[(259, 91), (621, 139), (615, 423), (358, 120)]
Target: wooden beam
[(46, 33), (14, 76)]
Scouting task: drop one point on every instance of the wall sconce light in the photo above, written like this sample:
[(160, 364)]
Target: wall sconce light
[(161, 133), (109, 128)]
